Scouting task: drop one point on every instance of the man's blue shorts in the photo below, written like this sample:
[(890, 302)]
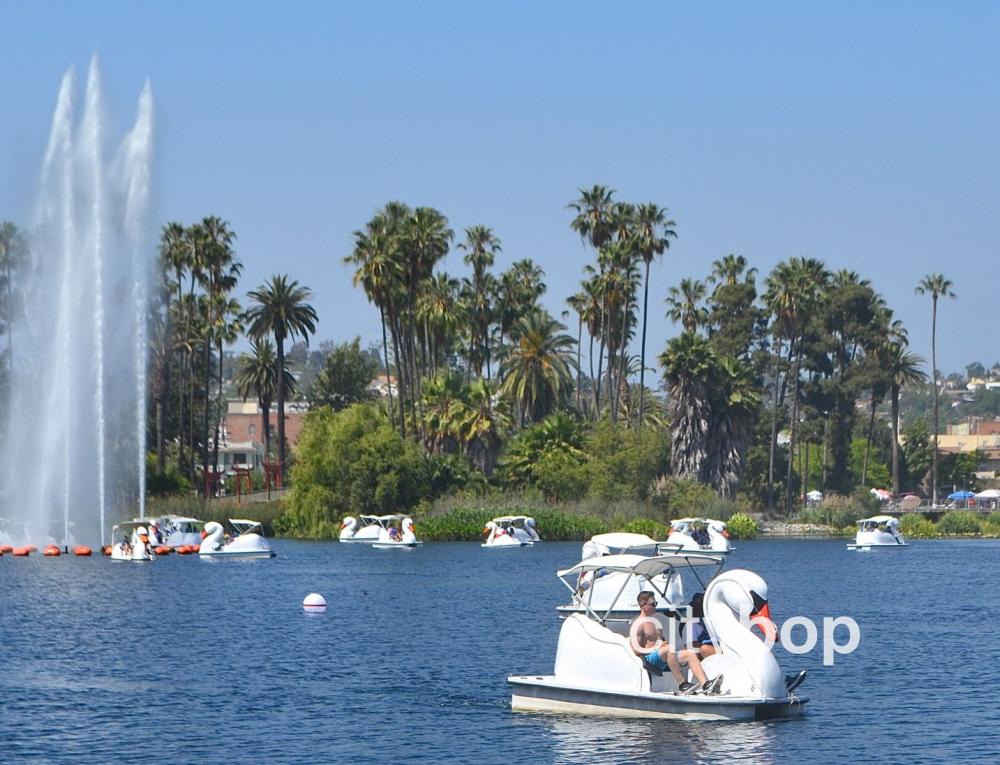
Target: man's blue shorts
[(654, 659)]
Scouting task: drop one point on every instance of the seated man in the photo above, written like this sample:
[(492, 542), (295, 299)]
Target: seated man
[(646, 640)]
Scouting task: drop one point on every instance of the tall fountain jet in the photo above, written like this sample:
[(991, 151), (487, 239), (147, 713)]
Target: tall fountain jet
[(74, 443)]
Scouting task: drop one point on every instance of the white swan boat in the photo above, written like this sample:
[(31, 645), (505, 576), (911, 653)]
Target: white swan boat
[(605, 587), (390, 538), (130, 541), (702, 534), (369, 529), (246, 541), (511, 531), (878, 531), (596, 671), (178, 530)]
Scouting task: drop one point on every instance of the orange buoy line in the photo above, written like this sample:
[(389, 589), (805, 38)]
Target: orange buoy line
[(82, 551), (51, 551), (21, 552), (6, 549)]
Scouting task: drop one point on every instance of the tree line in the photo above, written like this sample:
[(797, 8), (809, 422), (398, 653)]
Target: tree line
[(477, 367)]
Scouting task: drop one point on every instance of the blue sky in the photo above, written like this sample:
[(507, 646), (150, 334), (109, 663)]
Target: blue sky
[(865, 135)]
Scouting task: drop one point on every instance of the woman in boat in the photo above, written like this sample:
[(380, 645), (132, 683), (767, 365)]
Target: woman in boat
[(696, 635)]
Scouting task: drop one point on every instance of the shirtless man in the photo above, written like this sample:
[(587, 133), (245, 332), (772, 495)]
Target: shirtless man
[(646, 640)]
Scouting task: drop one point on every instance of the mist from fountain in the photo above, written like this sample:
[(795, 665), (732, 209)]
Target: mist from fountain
[(74, 443)]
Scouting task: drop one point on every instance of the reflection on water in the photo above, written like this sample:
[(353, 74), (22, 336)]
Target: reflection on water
[(613, 740)]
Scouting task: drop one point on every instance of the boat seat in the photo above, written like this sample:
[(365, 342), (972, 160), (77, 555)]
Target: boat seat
[(653, 671)]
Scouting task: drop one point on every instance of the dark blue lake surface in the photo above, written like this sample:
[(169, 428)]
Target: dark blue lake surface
[(188, 660)]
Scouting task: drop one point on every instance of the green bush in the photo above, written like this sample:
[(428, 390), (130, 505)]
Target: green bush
[(169, 483), (681, 497), (352, 462), (990, 525), (917, 526), (742, 526), (647, 526), (959, 522), (835, 510)]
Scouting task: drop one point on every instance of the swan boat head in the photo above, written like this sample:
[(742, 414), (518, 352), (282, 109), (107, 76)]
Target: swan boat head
[(348, 527), (733, 600)]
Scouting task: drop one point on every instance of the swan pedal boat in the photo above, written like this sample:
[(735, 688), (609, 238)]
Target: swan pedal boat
[(371, 527), (247, 542), (597, 673), (138, 533), (179, 530), (878, 531), (407, 540), (681, 531), (606, 588), (511, 531)]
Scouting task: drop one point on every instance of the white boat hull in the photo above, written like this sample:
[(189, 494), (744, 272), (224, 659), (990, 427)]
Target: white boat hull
[(541, 693), (394, 545), (871, 545), (244, 554)]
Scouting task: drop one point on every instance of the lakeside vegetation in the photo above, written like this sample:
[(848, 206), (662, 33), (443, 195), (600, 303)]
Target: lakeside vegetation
[(773, 386)]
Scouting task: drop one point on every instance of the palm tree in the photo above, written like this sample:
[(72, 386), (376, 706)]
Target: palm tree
[(175, 255), (689, 363), (281, 310), (901, 368), (653, 233), (537, 371), (683, 304), (936, 286), (481, 248), (733, 409), (257, 376), (481, 421), (595, 223), (379, 274)]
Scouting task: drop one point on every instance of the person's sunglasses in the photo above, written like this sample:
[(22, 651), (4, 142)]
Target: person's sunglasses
[(649, 602)]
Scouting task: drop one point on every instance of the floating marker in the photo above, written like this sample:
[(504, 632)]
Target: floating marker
[(314, 603)]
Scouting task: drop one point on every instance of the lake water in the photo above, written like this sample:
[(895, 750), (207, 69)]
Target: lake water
[(188, 660)]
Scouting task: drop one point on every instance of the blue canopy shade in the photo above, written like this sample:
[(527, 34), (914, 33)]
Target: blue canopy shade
[(961, 495)]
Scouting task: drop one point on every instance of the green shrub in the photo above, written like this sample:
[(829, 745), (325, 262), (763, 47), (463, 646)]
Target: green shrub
[(353, 462), (169, 483), (990, 525), (647, 526), (742, 526), (917, 526), (835, 510), (959, 522), (681, 497)]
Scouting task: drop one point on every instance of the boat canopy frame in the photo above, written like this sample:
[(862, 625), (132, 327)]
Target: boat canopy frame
[(636, 566)]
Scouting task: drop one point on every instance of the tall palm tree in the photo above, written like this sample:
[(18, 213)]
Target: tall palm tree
[(380, 274), (537, 371), (734, 406), (901, 368), (689, 362), (280, 309), (257, 376), (937, 286), (683, 304), (595, 223), (653, 232), (481, 248)]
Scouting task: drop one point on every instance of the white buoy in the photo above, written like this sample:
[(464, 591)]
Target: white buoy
[(314, 603)]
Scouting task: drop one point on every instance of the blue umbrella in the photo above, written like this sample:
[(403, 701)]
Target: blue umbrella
[(961, 495)]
